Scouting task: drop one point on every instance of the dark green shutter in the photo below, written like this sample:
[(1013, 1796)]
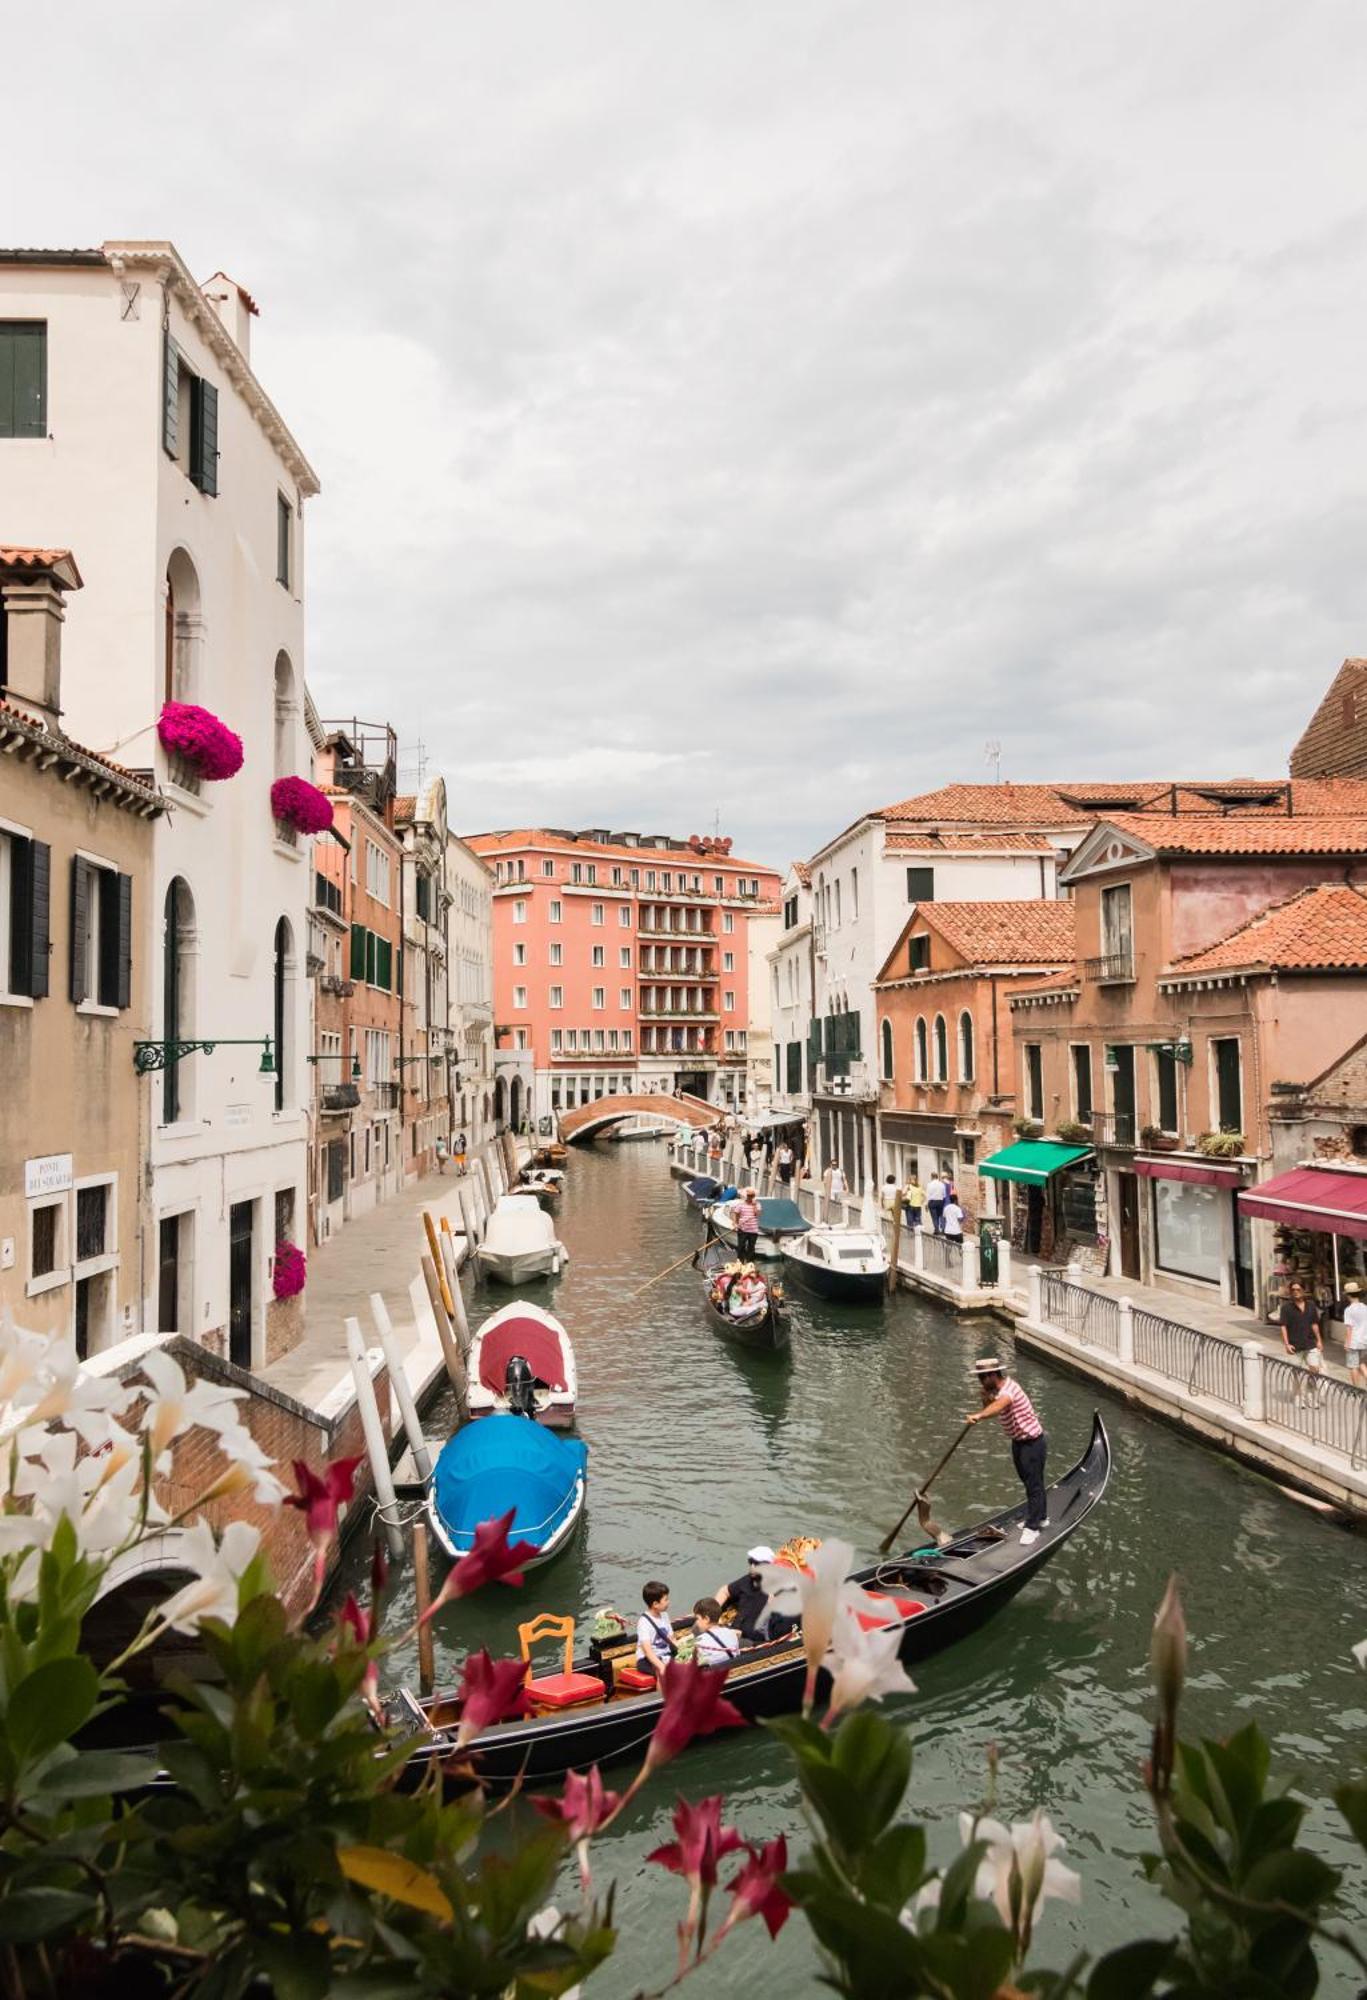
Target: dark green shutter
[(384, 964), (204, 437), (123, 992), (358, 951), (23, 378), (40, 918), (170, 395), (80, 922)]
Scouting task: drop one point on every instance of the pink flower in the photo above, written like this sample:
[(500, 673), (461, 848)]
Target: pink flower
[(291, 1269), (702, 1844), (319, 1499), (362, 1627), (693, 1706), (490, 1691), (201, 739), (584, 1806), (491, 1558), (756, 1891), (301, 805)]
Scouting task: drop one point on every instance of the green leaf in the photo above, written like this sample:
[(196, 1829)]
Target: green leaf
[(1351, 1801), (957, 1886), (1270, 1827), (837, 1804), (1240, 1766), (894, 1867), (876, 1757), (1132, 1972), (93, 1773), (803, 1737), (1292, 1876), (49, 1706), (972, 1963), (29, 1914), (296, 1965)]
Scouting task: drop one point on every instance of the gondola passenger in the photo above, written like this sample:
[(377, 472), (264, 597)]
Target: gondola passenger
[(655, 1646), (716, 1645), (748, 1596)]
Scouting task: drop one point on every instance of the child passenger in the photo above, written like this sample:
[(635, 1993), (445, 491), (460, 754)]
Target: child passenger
[(655, 1646), (717, 1645)]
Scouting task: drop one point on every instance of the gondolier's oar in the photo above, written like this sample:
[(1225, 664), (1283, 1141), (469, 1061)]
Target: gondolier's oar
[(690, 1258), (922, 1505)]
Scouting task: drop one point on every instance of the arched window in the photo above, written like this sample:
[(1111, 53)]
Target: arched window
[(941, 1050), (965, 1047), (286, 710), (886, 1033), (922, 1056), (179, 949), (284, 995), (184, 630)]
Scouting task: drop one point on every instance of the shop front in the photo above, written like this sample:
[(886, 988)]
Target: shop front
[(1055, 1205), (916, 1145), (1196, 1235), (1319, 1232)]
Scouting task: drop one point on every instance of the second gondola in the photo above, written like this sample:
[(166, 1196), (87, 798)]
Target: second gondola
[(743, 1305)]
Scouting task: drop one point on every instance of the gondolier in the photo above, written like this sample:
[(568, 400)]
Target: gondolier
[(1003, 1397)]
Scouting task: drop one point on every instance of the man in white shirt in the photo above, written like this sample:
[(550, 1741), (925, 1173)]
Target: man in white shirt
[(935, 1202), (836, 1184), (1355, 1333), (952, 1221)]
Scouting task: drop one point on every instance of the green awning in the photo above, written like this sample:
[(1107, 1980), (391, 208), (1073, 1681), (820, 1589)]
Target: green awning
[(1033, 1161)]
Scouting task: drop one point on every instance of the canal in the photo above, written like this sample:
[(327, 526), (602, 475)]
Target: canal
[(697, 1451)]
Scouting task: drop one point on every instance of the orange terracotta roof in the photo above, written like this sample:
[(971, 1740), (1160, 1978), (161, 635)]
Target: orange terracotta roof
[(1322, 929), (1067, 804), (1246, 833), (1057, 982), (60, 560), (967, 843), (1015, 805), (548, 840), (803, 873), (405, 809), (1022, 933)]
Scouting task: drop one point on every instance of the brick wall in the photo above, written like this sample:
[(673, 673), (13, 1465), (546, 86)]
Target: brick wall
[(1334, 744)]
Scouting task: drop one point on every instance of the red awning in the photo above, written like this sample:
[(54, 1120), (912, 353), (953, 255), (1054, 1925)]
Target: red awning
[(1203, 1173), (1312, 1198)]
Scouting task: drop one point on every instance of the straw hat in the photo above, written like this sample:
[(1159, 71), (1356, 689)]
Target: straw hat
[(991, 1366)]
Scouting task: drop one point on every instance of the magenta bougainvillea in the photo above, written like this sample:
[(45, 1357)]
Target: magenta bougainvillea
[(301, 805), (201, 739), (291, 1269)]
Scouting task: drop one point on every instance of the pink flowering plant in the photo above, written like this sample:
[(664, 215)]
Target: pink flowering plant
[(291, 1269), (301, 805), (208, 746)]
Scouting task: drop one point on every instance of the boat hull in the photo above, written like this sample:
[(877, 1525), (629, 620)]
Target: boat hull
[(557, 1541), (519, 1266), (767, 1330), (846, 1288)]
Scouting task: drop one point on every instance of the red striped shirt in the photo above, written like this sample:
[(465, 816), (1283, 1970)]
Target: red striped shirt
[(1018, 1418)]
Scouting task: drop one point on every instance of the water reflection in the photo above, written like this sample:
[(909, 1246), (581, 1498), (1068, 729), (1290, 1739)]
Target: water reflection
[(698, 1449)]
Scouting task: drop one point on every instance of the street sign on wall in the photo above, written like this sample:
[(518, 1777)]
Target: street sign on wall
[(49, 1175)]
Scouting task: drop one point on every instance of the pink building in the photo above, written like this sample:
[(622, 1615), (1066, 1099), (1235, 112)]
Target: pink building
[(620, 961)]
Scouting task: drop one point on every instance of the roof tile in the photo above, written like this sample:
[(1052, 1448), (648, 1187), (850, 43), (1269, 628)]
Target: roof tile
[(1322, 929), (1019, 933)]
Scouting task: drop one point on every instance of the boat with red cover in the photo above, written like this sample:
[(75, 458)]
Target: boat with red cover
[(528, 1333)]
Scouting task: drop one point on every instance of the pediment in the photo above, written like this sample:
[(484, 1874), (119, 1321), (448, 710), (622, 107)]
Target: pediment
[(1105, 849)]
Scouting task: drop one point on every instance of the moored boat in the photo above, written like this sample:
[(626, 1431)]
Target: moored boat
[(761, 1321), (934, 1597), (779, 1219), (849, 1266), (704, 1191), (642, 1129), (525, 1333), (506, 1462), (546, 1183), (520, 1241)]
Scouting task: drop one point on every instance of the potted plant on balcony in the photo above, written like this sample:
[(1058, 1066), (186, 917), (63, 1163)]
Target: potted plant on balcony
[(1074, 1132), (1221, 1145), (1156, 1140), (1027, 1128), (204, 747), (300, 806)]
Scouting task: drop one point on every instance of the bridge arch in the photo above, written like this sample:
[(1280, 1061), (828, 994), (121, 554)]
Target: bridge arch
[(586, 1121)]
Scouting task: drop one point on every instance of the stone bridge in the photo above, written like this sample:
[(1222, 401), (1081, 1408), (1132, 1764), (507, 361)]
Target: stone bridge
[(586, 1121)]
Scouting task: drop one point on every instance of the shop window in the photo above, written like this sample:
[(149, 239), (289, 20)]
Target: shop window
[(1187, 1232)]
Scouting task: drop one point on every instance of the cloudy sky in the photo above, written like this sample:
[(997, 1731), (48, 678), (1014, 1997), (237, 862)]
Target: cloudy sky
[(754, 409)]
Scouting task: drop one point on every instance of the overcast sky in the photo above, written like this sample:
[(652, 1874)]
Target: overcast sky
[(755, 409)]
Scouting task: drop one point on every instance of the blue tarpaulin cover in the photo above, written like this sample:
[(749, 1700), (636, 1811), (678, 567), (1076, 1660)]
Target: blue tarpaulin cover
[(778, 1216), (502, 1462)]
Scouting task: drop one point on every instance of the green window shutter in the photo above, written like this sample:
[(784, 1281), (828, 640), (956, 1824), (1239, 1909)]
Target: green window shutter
[(357, 951), (372, 944), (170, 395), (383, 963), (920, 885), (40, 918), (204, 438), (80, 924), (23, 378), (123, 991)]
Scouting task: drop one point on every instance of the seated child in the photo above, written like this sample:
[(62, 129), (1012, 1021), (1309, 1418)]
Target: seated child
[(655, 1646), (717, 1645)]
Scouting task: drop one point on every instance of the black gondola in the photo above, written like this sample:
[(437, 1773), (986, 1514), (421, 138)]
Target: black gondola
[(943, 1594), (765, 1327)]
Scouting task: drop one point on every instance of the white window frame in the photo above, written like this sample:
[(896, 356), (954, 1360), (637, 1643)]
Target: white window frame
[(728, 921), (557, 1041), (557, 999), (60, 1274), (520, 997), (728, 961), (548, 870), (624, 916), (597, 956), (624, 958), (624, 998), (728, 1001), (599, 999), (93, 924), (9, 831), (557, 952), (519, 953), (595, 913), (553, 913), (520, 912)]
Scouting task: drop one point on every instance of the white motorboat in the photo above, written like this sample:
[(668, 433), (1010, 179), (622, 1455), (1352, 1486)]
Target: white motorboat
[(849, 1266), (546, 1183), (520, 1241), (527, 1334)]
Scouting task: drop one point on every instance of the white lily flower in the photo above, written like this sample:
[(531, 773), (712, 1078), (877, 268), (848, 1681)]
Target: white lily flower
[(1029, 1847), (21, 1356), (86, 1403), (173, 1405), (239, 1445), (818, 1598), (218, 1568), (1360, 1652), (865, 1665)]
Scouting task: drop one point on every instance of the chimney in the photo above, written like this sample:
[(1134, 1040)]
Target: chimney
[(235, 307), (31, 585)]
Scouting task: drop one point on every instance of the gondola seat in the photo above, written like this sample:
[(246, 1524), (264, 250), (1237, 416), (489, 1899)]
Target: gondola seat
[(897, 1607), (630, 1680), (567, 1689)]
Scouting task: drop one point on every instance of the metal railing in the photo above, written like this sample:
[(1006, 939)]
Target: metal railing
[(944, 1257), (1206, 1364), (1314, 1406), (1115, 1128), (1114, 966), (1091, 1317)]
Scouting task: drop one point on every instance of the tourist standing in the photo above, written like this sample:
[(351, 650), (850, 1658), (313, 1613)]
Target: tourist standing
[(835, 1185), (783, 1160), (1005, 1398), (936, 1191), (1302, 1335), (1355, 1333), (913, 1201)]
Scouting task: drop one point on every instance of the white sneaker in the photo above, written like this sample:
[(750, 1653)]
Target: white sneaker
[(1029, 1535)]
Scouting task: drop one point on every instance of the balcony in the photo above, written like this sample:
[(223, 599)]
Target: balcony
[(385, 1096), (672, 933), (845, 1076), (1113, 968), (1118, 1129), (341, 1097), (679, 1013)]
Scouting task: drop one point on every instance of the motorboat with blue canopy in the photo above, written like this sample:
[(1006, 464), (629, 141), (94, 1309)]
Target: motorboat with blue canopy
[(507, 1461), (778, 1218)]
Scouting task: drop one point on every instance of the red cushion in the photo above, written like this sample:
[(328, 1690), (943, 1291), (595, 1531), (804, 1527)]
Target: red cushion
[(897, 1607), (566, 1690), (633, 1678)]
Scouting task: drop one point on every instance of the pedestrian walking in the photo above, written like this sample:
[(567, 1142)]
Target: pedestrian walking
[(835, 1185), (1302, 1335), (913, 1202), (1355, 1333), (952, 1220), (746, 1212), (1003, 1397), (441, 1154), (890, 1197), (936, 1193), (783, 1160), (460, 1153)]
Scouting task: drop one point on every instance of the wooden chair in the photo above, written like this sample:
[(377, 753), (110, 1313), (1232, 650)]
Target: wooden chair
[(567, 1689)]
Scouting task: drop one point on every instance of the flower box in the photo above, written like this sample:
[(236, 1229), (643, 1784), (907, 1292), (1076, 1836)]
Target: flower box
[(199, 740), (300, 806), (291, 1269)]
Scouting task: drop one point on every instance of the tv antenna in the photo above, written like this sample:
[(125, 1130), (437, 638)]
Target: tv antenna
[(992, 750)]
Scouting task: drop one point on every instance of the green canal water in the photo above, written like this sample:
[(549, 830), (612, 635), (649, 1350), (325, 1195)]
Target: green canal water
[(697, 1451)]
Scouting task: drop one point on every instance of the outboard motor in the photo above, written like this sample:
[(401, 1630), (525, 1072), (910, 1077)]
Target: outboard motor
[(520, 1387)]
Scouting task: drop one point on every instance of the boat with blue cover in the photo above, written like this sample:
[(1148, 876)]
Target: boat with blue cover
[(778, 1218), (506, 1461), (704, 1190)]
